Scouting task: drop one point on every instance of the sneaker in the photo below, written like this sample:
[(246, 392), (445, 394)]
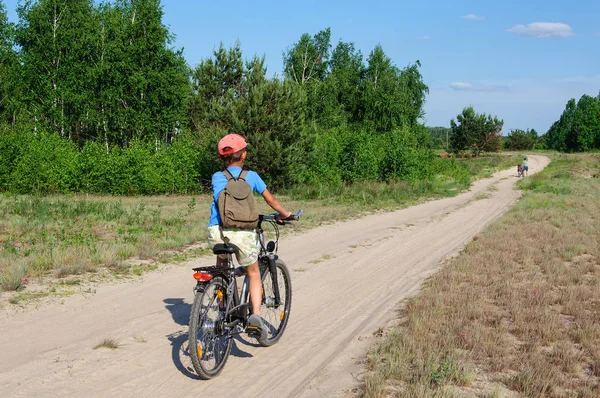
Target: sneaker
[(257, 328)]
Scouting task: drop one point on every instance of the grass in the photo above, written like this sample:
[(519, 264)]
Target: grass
[(74, 235), (13, 276), (63, 236), (521, 305), (107, 343)]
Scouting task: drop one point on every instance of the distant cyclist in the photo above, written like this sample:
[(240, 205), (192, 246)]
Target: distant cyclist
[(233, 151)]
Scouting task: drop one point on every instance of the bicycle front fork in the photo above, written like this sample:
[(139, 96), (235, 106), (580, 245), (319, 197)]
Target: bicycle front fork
[(272, 259)]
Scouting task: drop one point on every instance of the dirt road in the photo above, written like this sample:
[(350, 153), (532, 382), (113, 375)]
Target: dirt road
[(347, 280)]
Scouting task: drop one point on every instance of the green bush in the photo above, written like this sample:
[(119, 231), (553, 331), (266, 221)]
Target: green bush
[(404, 158), (47, 163), (95, 169), (323, 160)]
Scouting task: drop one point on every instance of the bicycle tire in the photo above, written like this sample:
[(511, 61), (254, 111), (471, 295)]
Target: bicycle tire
[(208, 345), (276, 317)]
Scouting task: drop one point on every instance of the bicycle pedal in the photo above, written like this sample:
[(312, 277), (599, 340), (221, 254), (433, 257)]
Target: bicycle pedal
[(253, 331), (254, 334)]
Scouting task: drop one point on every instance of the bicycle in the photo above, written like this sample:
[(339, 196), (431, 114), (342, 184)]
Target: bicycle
[(220, 312)]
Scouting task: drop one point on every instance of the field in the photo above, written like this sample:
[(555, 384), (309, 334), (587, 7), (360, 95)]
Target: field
[(58, 237), (518, 312)]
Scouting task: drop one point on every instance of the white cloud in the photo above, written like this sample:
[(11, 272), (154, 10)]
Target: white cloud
[(465, 86), (423, 37), (473, 17), (461, 86), (542, 30)]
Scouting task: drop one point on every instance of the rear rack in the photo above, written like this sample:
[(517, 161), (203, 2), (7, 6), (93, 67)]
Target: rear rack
[(215, 271)]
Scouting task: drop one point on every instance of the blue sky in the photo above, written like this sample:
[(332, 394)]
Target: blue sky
[(519, 60)]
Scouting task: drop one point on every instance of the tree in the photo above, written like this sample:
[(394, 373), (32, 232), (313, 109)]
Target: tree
[(476, 132), (558, 136), (307, 60), (391, 98), (101, 72), (56, 39), (414, 90), (232, 96), (344, 79), (439, 137), (306, 63), (578, 128), (521, 140), (218, 84), (586, 124), (9, 71), (152, 78)]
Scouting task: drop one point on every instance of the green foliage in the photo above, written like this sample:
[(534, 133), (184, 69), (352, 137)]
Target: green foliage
[(47, 163), (350, 155), (108, 116), (586, 126), (101, 71), (231, 96), (9, 70), (307, 60), (391, 98), (578, 128), (439, 137), (521, 140), (475, 132)]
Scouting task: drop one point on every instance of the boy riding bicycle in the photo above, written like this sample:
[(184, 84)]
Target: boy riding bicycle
[(233, 151)]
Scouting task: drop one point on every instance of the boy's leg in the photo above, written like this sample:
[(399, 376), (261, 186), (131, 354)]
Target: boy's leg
[(255, 320), (255, 287)]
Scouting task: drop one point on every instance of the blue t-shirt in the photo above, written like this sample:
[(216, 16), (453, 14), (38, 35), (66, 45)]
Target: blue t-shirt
[(218, 184)]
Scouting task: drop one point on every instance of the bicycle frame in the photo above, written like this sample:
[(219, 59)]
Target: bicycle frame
[(236, 310)]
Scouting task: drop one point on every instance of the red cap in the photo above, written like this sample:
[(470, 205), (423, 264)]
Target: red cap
[(231, 143)]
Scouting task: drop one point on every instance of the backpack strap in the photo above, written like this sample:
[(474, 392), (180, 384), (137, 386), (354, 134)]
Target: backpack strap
[(228, 175)]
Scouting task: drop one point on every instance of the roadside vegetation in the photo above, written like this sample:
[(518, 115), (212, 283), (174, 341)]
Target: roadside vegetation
[(517, 313), (71, 235)]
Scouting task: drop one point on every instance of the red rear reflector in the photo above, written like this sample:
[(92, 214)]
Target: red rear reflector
[(202, 276)]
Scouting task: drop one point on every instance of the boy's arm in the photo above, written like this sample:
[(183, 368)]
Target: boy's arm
[(274, 203)]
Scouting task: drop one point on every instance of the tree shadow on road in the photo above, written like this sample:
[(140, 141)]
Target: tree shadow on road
[(180, 311)]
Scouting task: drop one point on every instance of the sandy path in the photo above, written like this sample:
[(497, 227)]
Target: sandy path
[(347, 281)]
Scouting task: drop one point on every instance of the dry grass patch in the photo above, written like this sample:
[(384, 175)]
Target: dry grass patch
[(521, 304), (107, 343), (13, 277)]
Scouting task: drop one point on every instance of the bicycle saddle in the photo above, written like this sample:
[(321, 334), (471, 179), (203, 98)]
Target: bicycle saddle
[(223, 248)]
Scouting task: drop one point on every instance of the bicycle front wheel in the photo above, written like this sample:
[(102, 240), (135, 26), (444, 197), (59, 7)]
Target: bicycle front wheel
[(276, 315), (209, 344)]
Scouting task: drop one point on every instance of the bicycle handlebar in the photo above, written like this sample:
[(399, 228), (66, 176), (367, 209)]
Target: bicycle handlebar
[(280, 221)]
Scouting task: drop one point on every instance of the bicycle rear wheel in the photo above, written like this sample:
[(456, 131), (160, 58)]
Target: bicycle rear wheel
[(276, 316), (209, 344)]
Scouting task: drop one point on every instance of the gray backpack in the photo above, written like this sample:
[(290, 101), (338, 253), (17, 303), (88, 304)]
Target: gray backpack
[(236, 203)]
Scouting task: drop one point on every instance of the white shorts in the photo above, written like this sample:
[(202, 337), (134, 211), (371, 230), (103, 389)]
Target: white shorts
[(245, 240)]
